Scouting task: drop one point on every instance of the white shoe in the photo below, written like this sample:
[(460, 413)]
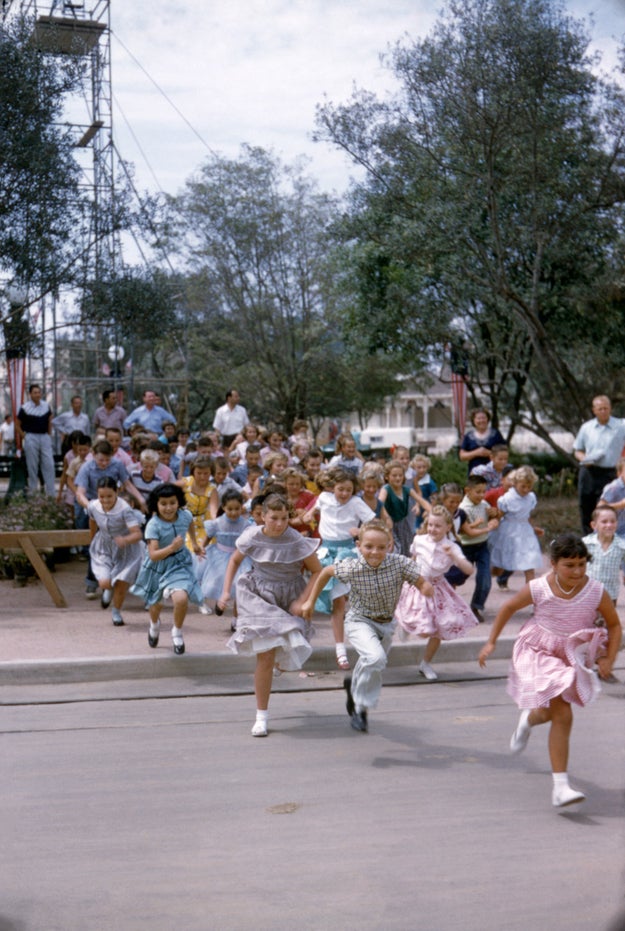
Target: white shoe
[(565, 795), (259, 729), (518, 741), (426, 670), (205, 609)]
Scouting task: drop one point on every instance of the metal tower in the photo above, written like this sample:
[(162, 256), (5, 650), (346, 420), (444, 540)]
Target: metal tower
[(82, 28)]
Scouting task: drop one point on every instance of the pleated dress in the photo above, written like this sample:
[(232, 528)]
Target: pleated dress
[(264, 593), (109, 561)]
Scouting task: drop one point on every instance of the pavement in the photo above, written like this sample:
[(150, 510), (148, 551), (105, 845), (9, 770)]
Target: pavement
[(40, 643)]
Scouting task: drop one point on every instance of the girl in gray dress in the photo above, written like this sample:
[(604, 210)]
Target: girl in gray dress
[(116, 548), (269, 598)]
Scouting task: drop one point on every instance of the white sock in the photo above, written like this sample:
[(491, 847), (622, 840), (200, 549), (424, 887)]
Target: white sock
[(560, 780), (155, 626), (262, 716), (176, 633), (341, 650)]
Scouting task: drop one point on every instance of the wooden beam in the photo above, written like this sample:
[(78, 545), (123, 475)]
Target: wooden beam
[(29, 541)]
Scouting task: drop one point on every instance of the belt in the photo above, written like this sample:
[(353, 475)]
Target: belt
[(382, 620), (596, 468)]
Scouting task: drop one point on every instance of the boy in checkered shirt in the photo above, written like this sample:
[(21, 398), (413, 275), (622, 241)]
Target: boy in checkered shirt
[(375, 578)]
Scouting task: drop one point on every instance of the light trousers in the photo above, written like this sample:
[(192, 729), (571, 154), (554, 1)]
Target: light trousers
[(38, 452), (372, 641)]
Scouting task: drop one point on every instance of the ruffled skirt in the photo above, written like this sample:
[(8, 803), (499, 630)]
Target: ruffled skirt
[(445, 615), (546, 664)]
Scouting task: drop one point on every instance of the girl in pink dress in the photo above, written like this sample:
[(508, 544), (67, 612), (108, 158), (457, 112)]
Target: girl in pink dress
[(554, 654), (444, 616)]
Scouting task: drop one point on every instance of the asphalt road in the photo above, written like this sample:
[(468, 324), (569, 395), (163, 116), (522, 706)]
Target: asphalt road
[(163, 813)]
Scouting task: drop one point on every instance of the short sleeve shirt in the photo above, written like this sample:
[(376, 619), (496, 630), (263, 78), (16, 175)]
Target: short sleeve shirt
[(374, 592)]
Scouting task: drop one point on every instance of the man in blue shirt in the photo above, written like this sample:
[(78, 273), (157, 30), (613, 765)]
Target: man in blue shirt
[(150, 415), (598, 447)]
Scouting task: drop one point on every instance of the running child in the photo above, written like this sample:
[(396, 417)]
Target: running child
[(375, 578), (554, 654), (226, 530), (444, 615), (398, 499), (423, 484), (269, 599), (167, 569), (477, 520), (116, 548), (340, 514), (515, 546), (606, 548)]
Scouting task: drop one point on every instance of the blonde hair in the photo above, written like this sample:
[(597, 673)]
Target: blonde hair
[(439, 510), (378, 525), (149, 455), (372, 471), (271, 458), (523, 474), (421, 458)]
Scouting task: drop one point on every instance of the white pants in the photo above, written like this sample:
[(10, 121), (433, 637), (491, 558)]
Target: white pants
[(38, 452), (372, 642)]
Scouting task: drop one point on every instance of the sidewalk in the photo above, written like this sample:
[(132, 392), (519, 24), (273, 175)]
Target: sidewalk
[(40, 643)]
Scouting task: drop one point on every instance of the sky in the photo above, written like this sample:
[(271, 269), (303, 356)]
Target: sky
[(253, 71)]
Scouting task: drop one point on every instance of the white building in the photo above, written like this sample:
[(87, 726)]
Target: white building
[(420, 416)]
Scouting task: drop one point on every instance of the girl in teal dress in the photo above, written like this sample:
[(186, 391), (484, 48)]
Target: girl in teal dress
[(167, 569)]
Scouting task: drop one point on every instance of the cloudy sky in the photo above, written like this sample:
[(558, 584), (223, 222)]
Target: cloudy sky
[(254, 70)]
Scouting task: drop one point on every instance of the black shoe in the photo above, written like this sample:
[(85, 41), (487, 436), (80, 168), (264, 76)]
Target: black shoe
[(153, 641), (349, 703), (106, 597), (218, 611), (359, 721), (479, 615)]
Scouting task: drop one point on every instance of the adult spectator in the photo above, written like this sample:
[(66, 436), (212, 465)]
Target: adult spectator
[(71, 421), (150, 415), (7, 435), (34, 423), (110, 414), (230, 419), (479, 440), (597, 447)]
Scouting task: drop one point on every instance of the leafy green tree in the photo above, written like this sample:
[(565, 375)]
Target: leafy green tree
[(256, 236), (41, 205), (492, 205)]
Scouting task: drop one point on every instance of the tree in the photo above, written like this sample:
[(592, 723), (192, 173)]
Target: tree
[(40, 201), (256, 237), (492, 205)]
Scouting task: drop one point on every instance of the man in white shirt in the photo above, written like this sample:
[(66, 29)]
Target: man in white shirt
[(70, 421), (230, 419), (598, 447), (7, 435)]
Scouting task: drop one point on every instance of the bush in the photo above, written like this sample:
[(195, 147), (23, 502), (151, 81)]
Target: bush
[(35, 512)]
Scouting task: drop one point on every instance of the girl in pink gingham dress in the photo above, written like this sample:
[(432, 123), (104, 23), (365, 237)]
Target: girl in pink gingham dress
[(555, 651)]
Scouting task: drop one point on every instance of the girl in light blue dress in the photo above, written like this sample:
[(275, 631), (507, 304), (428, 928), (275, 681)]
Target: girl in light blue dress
[(226, 530), (514, 545), (167, 569)]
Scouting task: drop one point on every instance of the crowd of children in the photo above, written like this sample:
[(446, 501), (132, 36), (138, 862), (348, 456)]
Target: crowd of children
[(272, 528)]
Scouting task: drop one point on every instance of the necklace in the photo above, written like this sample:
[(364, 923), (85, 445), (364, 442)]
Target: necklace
[(564, 590)]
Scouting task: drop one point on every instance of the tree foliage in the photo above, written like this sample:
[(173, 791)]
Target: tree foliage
[(40, 198), (491, 213), (256, 236)]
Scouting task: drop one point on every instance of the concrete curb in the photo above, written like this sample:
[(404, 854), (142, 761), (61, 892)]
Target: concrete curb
[(58, 671)]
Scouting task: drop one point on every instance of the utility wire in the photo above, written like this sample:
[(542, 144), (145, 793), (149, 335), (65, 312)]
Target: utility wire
[(167, 98)]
